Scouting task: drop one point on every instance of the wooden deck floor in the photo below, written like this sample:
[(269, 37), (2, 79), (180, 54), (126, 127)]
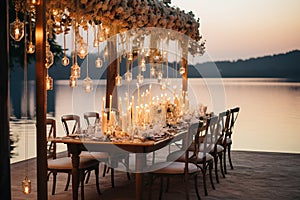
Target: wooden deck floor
[(257, 175)]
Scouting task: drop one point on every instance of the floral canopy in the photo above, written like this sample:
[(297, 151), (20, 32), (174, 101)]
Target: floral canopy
[(126, 15)]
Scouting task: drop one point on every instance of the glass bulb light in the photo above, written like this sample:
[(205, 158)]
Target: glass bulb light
[(140, 79), (143, 65), (82, 50), (152, 71), (73, 81), (49, 83), (182, 70), (128, 76), (130, 56), (87, 84), (65, 61), (30, 48), (99, 62), (49, 59), (118, 80), (96, 42), (75, 70), (26, 186), (159, 77), (17, 30)]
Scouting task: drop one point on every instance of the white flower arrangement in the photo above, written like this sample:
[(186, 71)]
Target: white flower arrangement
[(131, 14)]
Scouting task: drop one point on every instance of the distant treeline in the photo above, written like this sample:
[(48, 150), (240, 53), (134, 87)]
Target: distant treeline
[(286, 65)]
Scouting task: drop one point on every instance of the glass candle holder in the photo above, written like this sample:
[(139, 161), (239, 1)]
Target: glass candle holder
[(49, 83), (26, 186), (65, 61)]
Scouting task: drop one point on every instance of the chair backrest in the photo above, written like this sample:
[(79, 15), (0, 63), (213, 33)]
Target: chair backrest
[(88, 116), (193, 138), (209, 134), (234, 114), (224, 119), (51, 133), (71, 123)]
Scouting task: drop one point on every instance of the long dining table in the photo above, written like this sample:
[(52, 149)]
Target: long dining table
[(76, 145)]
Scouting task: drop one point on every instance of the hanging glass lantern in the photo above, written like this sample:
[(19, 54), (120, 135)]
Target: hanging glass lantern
[(26, 186), (128, 76), (17, 30), (118, 80), (73, 81), (182, 70), (30, 48), (130, 56), (159, 77), (99, 62), (49, 57), (82, 50), (143, 65), (152, 71), (75, 70), (140, 79), (49, 82), (87, 84), (65, 61)]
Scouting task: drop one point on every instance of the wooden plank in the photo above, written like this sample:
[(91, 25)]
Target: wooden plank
[(41, 141), (4, 117)]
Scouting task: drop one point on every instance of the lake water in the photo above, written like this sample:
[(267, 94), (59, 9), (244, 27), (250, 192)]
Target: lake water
[(268, 120)]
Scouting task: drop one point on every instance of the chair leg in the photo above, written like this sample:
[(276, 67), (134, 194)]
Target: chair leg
[(97, 180), (204, 179), (104, 170), (216, 168), (68, 181), (229, 156), (150, 186), (224, 161), (196, 186), (127, 167), (112, 174), (168, 184), (88, 177), (54, 183), (161, 187), (186, 180), (82, 176), (221, 164), (210, 174)]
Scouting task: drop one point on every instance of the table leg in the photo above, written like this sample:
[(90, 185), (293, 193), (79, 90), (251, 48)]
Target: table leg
[(140, 162), (74, 150)]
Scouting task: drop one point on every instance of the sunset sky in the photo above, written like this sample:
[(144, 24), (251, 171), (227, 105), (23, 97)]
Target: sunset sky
[(246, 28)]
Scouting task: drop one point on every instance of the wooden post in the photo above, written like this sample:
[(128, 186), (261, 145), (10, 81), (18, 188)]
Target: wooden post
[(41, 141), (4, 114), (184, 64)]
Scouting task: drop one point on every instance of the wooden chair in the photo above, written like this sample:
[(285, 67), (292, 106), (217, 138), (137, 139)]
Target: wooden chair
[(64, 164), (234, 112), (205, 159), (185, 168), (217, 150), (91, 117), (104, 156)]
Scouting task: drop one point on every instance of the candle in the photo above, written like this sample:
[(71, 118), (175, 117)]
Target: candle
[(124, 122), (138, 87), (132, 109), (110, 104), (103, 104), (104, 122), (120, 111)]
